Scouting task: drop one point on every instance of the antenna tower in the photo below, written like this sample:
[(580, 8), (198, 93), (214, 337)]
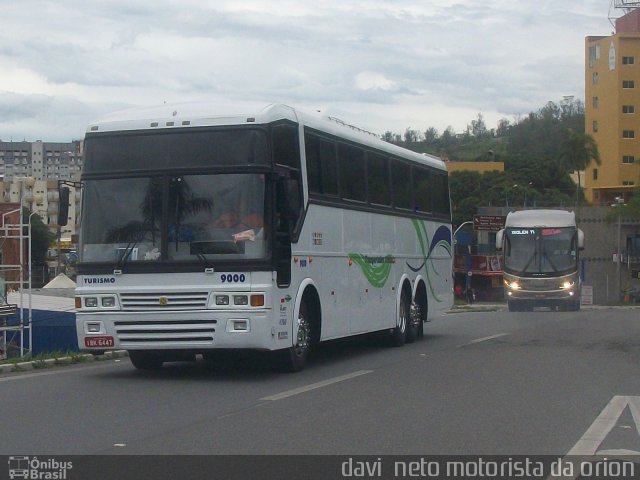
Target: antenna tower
[(625, 5)]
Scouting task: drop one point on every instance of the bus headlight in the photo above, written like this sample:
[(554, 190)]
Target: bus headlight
[(108, 302), (567, 285), (240, 300), (91, 302), (222, 299), (512, 285), (99, 302)]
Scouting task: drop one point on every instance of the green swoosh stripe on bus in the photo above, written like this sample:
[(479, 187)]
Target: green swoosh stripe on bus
[(423, 240), (377, 273)]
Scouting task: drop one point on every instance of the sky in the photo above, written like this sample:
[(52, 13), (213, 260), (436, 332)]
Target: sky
[(382, 65)]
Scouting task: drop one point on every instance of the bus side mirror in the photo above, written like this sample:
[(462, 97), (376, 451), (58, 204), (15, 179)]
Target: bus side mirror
[(499, 236), (63, 206), (580, 240)]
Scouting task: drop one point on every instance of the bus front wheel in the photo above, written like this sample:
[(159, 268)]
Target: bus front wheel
[(399, 333), (295, 357)]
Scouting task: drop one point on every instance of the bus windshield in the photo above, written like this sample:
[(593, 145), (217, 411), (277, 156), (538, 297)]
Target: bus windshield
[(174, 218), (540, 251)]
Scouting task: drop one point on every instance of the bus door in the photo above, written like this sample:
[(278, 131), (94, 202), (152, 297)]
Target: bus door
[(286, 222)]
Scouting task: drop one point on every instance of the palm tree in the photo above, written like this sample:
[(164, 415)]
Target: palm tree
[(578, 151)]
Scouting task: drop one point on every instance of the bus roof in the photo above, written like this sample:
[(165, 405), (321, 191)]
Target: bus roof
[(540, 218), (203, 114)]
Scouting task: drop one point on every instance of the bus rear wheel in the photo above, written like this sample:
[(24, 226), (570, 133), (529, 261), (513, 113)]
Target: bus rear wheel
[(145, 360), (414, 325)]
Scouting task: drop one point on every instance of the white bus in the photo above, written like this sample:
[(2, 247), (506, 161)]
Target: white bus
[(272, 230), (541, 259)]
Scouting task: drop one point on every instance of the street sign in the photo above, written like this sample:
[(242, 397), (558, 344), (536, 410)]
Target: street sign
[(488, 223)]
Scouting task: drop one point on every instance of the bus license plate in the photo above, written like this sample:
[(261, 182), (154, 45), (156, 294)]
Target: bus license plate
[(98, 342)]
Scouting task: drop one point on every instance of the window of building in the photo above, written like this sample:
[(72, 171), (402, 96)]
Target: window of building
[(628, 159), (628, 134), (628, 183), (595, 102), (628, 109), (628, 84), (594, 54), (594, 125), (594, 78), (595, 173), (628, 60), (633, 245)]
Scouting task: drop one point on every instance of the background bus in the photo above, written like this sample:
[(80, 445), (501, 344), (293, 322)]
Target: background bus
[(541, 259), (272, 231)]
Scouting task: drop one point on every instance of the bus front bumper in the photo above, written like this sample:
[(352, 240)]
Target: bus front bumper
[(559, 295), (193, 331)]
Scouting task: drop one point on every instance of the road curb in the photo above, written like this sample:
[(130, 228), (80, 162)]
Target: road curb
[(60, 361)]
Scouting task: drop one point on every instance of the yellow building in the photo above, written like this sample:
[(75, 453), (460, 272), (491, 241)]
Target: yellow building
[(612, 110), (480, 167)]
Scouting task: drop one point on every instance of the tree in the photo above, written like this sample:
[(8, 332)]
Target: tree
[(431, 135), (479, 127), (41, 237), (411, 135), (578, 151), (503, 127), (388, 136)]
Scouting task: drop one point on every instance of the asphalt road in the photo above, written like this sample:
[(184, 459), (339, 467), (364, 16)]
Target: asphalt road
[(478, 383)]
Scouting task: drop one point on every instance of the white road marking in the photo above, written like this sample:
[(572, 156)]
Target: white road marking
[(484, 339), (314, 386), (604, 423)]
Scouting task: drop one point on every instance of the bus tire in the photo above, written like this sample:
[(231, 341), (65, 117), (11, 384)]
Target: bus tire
[(412, 325), (295, 357), (421, 303), (399, 333), (145, 360)]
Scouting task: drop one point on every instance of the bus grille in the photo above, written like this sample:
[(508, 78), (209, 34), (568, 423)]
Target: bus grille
[(170, 301), (136, 333)]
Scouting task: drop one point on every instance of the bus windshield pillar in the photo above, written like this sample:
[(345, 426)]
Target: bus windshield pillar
[(283, 228)]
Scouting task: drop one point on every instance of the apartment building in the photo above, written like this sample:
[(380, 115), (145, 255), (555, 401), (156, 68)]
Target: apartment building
[(30, 172), (612, 110)]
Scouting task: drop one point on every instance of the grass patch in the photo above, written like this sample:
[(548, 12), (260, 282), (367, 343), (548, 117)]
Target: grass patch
[(39, 360)]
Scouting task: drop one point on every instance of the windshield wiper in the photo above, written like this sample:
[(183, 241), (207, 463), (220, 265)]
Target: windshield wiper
[(126, 254), (526, 267), (545, 255)]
